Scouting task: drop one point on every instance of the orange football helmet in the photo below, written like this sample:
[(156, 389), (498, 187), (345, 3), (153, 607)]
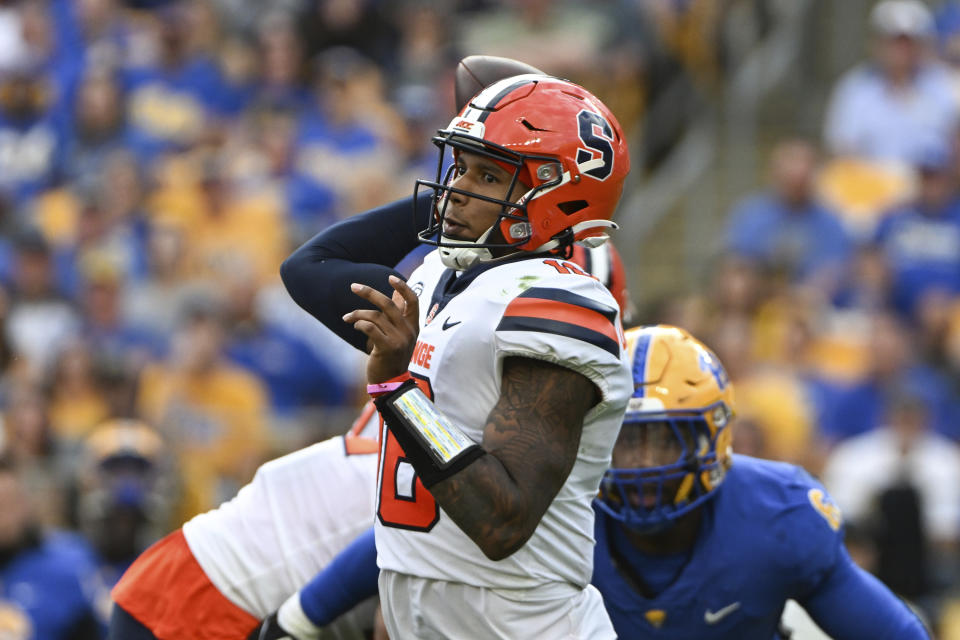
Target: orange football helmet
[(559, 141)]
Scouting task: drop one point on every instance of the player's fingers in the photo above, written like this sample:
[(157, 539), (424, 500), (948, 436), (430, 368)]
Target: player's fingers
[(389, 335), (370, 316), (372, 331), (408, 295), (400, 302), (379, 300)]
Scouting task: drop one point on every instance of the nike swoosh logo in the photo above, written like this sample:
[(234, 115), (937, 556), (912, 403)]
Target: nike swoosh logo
[(713, 617), (447, 324)]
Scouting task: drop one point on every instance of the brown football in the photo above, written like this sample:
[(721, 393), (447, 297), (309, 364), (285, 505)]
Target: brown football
[(476, 72)]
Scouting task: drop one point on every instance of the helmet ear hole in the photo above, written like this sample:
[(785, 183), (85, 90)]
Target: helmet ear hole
[(570, 207)]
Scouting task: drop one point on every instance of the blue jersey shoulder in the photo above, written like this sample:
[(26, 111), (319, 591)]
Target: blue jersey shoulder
[(782, 498), (771, 533)]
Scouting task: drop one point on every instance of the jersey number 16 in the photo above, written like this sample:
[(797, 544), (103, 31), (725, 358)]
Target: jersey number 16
[(402, 500)]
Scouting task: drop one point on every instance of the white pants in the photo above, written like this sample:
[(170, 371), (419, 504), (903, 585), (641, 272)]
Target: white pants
[(436, 610)]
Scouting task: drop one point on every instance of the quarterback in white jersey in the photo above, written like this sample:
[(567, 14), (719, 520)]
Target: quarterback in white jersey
[(499, 371), (546, 309), (228, 568)]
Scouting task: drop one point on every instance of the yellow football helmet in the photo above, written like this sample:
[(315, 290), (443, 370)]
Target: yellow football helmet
[(674, 446), (126, 487)]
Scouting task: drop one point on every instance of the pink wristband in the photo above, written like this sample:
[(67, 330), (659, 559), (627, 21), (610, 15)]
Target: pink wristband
[(382, 388)]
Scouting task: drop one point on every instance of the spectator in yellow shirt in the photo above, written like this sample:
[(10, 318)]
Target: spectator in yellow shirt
[(212, 413)]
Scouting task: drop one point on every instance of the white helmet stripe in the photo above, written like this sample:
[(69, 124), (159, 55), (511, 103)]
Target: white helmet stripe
[(491, 95)]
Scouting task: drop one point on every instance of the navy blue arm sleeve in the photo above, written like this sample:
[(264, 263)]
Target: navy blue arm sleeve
[(851, 604), (364, 249), (347, 581)]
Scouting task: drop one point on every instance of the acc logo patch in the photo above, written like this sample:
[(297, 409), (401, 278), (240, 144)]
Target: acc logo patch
[(825, 507), (14, 623)]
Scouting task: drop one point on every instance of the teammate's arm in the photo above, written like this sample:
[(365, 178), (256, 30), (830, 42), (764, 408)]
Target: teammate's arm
[(850, 604)]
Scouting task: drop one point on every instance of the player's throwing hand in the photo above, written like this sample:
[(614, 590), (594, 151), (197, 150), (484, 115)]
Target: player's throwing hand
[(392, 331)]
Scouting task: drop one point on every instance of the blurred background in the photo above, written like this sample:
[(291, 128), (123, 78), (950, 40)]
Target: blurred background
[(794, 202)]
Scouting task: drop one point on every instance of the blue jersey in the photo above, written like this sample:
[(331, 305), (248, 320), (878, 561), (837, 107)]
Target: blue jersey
[(771, 533), (47, 589)]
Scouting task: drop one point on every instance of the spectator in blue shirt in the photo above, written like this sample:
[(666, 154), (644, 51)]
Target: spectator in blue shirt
[(33, 132), (342, 135), (173, 103), (921, 241), (786, 227), (849, 409), (889, 108), (297, 376), (99, 126)]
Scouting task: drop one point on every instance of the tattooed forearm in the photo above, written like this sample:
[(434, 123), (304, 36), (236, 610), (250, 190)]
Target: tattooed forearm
[(532, 436)]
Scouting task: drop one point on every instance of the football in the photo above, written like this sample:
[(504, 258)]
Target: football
[(476, 72)]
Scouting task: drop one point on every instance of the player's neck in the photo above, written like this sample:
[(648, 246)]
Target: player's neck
[(676, 539)]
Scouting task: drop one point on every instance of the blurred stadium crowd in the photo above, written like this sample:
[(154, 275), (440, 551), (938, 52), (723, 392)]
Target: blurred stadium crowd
[(159, 159)]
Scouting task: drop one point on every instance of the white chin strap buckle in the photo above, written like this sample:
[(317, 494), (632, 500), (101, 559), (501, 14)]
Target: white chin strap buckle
[(463, 254), (462, 258)]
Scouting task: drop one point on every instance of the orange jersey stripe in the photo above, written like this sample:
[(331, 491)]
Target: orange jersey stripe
[(562, 312), (362, 419), (358, 445)]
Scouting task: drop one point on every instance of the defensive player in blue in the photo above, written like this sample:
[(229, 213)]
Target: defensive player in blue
[(694, 542)]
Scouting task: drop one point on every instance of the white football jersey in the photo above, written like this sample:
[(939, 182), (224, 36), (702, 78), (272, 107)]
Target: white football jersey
[(294, 517), (543, 308)]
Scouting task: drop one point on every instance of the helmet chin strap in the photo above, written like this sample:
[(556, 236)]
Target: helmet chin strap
[(591, 242), (464, 253)]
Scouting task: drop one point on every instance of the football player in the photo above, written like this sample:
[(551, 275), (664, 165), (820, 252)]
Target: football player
[(224, 570), (256, 597), (498, 367), (692, 541), (126, 490)]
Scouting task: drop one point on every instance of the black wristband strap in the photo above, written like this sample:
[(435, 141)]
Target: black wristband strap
[(435, 447)]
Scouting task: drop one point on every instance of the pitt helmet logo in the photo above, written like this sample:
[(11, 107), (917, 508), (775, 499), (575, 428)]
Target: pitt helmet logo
[(824, 506), (709, 363)]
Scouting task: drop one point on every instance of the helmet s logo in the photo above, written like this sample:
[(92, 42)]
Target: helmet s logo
[(597, 135), (464, 124)]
